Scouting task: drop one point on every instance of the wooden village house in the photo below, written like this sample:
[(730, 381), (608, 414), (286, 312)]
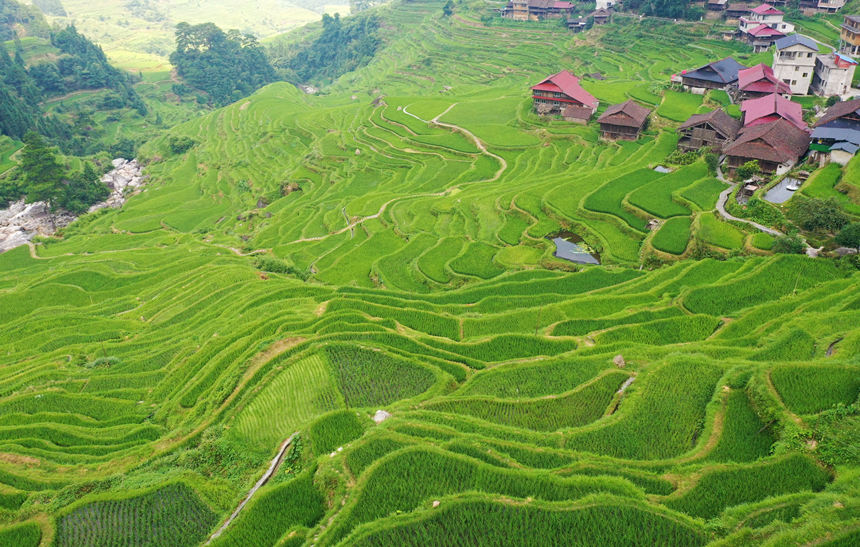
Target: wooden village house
[(850, 35), (809, 7), (759, 81), (576, 24), (561, 95), (836, 136), (623, 121), (777, 146), (717, 75), (716, 5), (536, 10), (771, 108), (736, 10), (714, 129), (602, 16)]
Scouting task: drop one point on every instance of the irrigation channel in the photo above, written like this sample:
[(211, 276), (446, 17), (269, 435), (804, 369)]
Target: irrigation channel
[(279, 458)]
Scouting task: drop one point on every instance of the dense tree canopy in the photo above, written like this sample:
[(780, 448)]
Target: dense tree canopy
[(227, 66), (43, 177), (818, 214), (13, 14), (343, 46)]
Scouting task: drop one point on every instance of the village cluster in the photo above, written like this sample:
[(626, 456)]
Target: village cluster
[(771, 129)]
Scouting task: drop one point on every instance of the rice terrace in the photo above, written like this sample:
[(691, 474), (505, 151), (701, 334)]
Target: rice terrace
[(452, 273)]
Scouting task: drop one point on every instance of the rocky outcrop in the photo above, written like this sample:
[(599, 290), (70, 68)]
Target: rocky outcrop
[(124, 181), (21, 222)]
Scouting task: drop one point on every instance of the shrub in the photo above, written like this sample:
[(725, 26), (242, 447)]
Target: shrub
[(815, 214), (790, 244), (748, 170), (849, 235), (275, 265), (180, 145)]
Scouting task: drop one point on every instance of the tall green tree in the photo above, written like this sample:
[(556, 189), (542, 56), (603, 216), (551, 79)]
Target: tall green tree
[(43, 174), (227, 66)]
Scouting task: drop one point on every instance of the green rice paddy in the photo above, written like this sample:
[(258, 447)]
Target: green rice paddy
[(149, 370)]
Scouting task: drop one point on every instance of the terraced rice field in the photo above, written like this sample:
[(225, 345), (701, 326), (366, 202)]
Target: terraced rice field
[(146, 362)]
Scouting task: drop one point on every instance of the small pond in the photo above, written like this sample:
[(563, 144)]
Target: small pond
[(780, 193), (662, 169), (570, 246)]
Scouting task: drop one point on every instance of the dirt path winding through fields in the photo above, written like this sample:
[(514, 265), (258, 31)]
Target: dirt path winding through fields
[(478, 143), (721, 207), (276, 462)]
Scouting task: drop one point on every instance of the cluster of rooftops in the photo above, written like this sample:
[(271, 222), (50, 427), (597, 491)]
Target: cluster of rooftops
[(771, 129), (561, 94)]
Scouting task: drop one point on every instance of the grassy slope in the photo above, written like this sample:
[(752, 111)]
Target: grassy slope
[(144, 349), (142, 38)]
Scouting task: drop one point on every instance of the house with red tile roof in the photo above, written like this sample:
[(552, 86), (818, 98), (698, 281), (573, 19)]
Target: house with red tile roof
[(776, 145), (759, 81), (555, 94), (771, 108), (763, 26)]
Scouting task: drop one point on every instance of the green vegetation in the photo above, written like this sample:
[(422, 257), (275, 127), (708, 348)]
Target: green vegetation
[(809, 390), (716, 232), (492, 522), (21, 535), (720, 489), (679, 106), (344, 45), (298, 262), (744, 438), (274, 511), (173, 514), (240, 65), (333, 430), (673, 236)]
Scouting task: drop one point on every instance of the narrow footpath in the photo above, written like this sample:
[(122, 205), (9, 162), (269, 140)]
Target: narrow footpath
[(279, 458), (721, 206)]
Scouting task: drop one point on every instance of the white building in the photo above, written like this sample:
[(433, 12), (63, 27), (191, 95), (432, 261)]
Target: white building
[(766, 15), (833, 74), (794, 62)]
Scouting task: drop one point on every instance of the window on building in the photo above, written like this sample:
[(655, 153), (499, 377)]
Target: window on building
[(794, 82), (805, 74)]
